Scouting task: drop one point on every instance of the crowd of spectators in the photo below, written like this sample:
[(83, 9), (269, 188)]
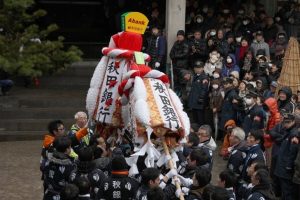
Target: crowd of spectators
[(225, 70)]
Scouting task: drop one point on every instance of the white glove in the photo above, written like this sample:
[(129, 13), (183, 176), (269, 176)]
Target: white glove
[(175, 180), (171, 173), (157, 64), (162, 185), (185, 181), (178, 193), (185, 190)]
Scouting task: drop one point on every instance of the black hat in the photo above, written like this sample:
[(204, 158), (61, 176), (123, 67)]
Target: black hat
[(180, 32), (252, 94), (198, 64), (227, 80), (118, 163)]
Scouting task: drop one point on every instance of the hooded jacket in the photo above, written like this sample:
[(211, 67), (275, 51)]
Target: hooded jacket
[(274, 119), (228, 68), (287, 104)]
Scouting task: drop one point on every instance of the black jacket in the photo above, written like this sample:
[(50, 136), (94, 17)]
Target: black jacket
[(254, 119), (286, 105), (228, 108), (198, 98), (180, 55), (236, 158), (287, 154), (262, 191)]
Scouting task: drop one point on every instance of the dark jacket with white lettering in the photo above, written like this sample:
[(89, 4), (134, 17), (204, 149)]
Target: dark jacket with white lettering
[(95, 176), (198, 98), (236, 158), (119, 186), (254, 154), (180, 55), (262, 192), (254, 119), (56, 175)]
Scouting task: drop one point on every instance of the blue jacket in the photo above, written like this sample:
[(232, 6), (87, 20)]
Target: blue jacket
[(227, 70), (236, 158), (254, 154), (198, 98), (254, 119)]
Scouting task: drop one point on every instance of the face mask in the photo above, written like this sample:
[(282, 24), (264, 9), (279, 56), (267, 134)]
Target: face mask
[(199, 20), (238, 39), (229, 60), (216, 75), (248, 101), (213, 33), (215, 86), (245, 22), (205, 9)]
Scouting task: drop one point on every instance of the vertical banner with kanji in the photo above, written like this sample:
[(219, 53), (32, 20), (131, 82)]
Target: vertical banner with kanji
[(164, 107), (109, 91)]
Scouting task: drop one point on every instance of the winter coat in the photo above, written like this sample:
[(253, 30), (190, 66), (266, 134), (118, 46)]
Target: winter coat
[(273, 120), (262, 192), (270, 34), (236, 158), (279, 46), (156, 48), (228, 111), (255, 46), (254, 153), (56, 174), (95, 176), (287, 154), (216, 99), (209, 146), (240, 53), (119, 186), (201, 50), (286, 105), (254, 119), (227, 69), (222, 47), (180, 55), (273, 76), (274, 117), (198, 98)]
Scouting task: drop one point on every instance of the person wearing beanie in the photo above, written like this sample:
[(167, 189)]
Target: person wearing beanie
[(230, 124), (179, 55), (237, 147), (198, 98), (119, 185)]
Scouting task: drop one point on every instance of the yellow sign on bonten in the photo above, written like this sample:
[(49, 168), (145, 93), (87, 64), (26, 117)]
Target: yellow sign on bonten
[(134, 22)]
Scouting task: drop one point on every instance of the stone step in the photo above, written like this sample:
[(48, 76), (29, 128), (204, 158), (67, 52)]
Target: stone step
[(21, 135), (29, 124), (38, 113)]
